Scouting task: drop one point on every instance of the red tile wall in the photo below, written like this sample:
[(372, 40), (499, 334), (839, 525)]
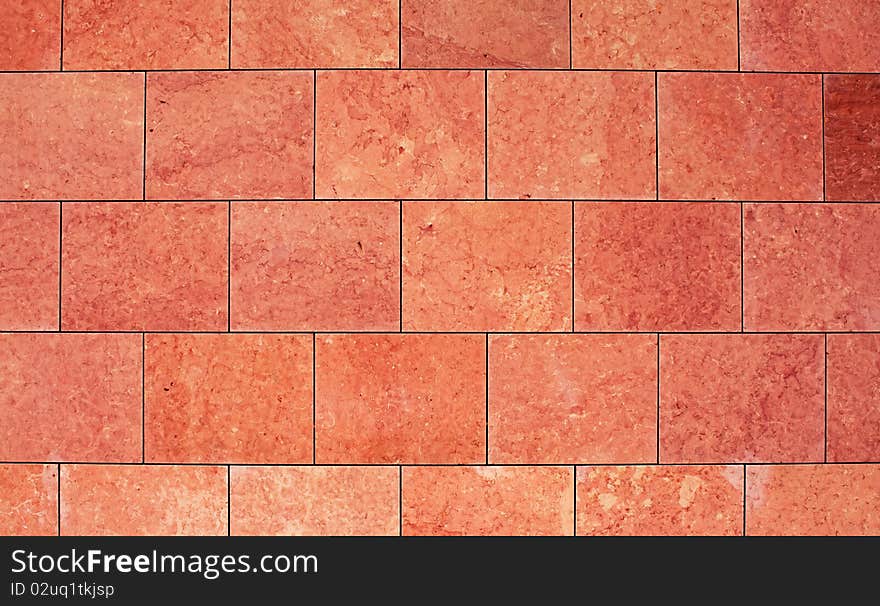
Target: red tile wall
[(420, 267)]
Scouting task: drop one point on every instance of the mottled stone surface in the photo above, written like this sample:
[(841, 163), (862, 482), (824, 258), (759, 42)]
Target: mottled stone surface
[(144, 266), (854, 397), (478, 266), (661, 266), (740, 136), (322, 501), (28, 500), (217, 135), (70, 397), (813, 500), (810, 35), (488, 501), (316, 266), (29, 266), (562, 135), (30, 38), (690, 500), (572, 399), (485, 33), (228, 398), (138, 34), (807, 267), (135, 500), (852, 137), (401, 399), (634, 34), (407, 134), (314, 33), (71, 136), (741, 398)]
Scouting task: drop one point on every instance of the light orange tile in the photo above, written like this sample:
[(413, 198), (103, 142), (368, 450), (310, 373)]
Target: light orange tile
[(219, 135), (325, 501), (740, 136), (135, 500), (144, 266), (29, 235), (560, 135), (400, 134), (138, 35), (30, 38), (813, 500), (401, 398), (70, 397), (28, 500), (57, 142), (314, 33), (854, 397), (485, 33), (228, 398), (689, 500), (806, 268), (741, 398), (316, 266), (660, 266), (676, 34), (479, 266), (488, 501), (572, 399)]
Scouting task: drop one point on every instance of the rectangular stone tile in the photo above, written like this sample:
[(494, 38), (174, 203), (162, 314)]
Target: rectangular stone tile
[(143, 500), (810, 35), (572, 399), (660, 266), (70, 397), (740, 136), (138, 35), (400, 134), (28, 500), (316, 266), (413, 399), (477, 266), (488, 501), (314, 33), (72, 136), (807, 267), (29, 266), (31, 35), (813, 500), (564, 135), (228, 398), (741, 398), (852, 137), (144, 266), (688, 500), (315, 501), (485, 33), (633, 34), (854, 398), (218, 135)]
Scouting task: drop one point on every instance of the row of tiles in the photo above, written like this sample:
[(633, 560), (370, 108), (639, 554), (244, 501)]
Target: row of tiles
[(521, 266), (789, 35), (478, 500), (440, 135), (439, 398)]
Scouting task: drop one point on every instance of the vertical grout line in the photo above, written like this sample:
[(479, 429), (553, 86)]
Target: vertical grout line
[(400, 500), (228, 266), (658, 398), (745, 482), (143, 398), (487, 398), (575, 498), (228, 501), (229, 39), (314, 133), (738, 52), (572, 267), (60, 256), (400, 263), (486, 134), (61, 47), (314, 399), (399, 34), (144, 167), (656, 137), (742, 269), (824, 196), (826, 398), (570, 36), (58, 503)]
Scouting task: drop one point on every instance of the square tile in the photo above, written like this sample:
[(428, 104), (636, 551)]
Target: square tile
[(740, 136), (478, 266), (219, 135), (28, 500), (562, 135), (400, 134), (316, 266), (30, 38), (852, 137), (854, 398)]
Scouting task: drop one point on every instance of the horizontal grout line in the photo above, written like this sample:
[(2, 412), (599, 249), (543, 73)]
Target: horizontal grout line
[(437, 332), (309, 68), (476, 464), (473, 200)]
